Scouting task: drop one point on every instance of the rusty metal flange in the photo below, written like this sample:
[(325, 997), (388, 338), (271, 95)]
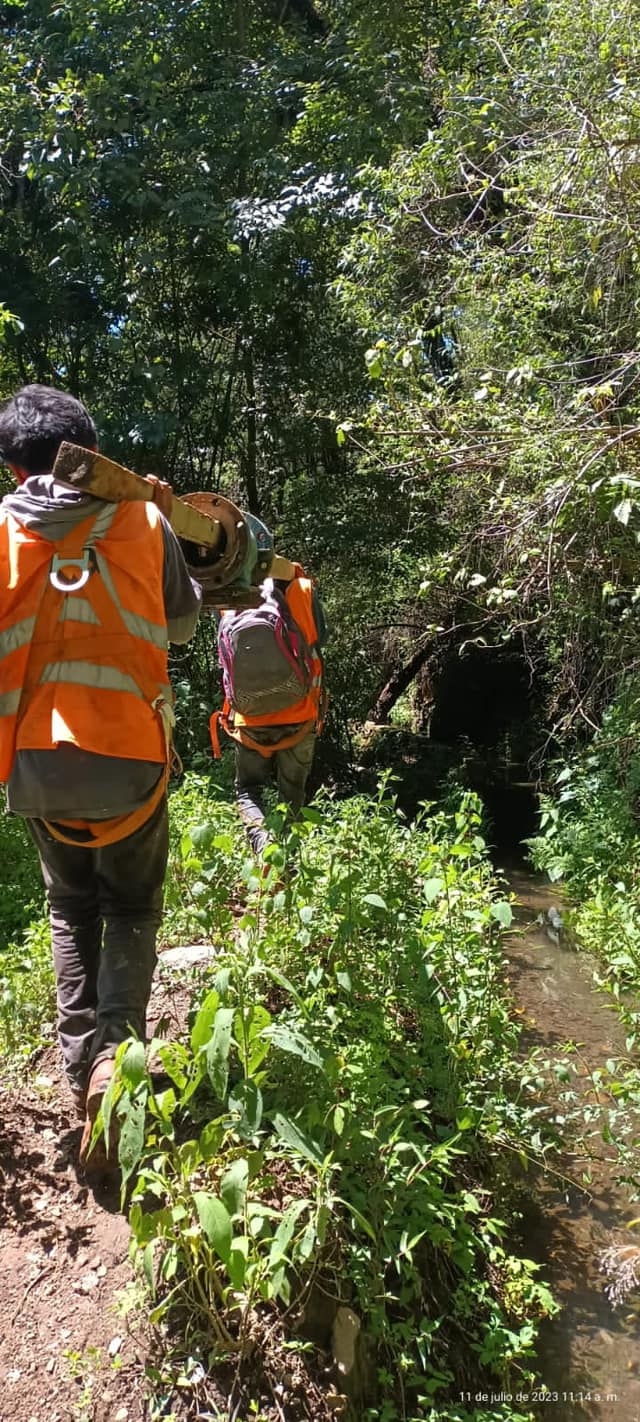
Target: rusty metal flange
[(217, 568)]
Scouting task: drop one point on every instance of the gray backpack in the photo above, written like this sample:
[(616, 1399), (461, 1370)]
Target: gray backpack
[(265, 659)]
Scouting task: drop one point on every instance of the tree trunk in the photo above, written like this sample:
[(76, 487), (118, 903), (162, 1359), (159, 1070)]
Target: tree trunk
[(396, 684)]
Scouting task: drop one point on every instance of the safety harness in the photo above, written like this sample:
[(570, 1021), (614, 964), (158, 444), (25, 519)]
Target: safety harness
[(77, 552)]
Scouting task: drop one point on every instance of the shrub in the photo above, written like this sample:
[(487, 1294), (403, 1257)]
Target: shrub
[(348, 1067)]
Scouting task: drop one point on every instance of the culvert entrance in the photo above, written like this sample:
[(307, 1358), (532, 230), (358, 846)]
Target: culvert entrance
[(477, 729)]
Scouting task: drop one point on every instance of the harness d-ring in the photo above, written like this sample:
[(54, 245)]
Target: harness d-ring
[(63, 585)]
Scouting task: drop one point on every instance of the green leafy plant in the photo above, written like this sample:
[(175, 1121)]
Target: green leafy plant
[(326, 1113), (21, 890), (27, 997)]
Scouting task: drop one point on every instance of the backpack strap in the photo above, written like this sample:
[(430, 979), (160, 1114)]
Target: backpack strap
[(243, 735), (214, 731)]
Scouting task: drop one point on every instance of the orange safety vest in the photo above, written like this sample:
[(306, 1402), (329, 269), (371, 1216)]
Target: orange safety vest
[(308, 713), (84, 646)]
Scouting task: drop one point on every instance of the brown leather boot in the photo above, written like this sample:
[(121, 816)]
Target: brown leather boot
[(99, 1160), (78, 1096)]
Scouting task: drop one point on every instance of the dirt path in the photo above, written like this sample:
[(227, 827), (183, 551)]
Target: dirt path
[(66, 1351)]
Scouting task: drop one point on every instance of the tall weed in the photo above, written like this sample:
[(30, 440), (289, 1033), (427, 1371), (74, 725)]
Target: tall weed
[(21, 890), (26, 978), (590, 838)]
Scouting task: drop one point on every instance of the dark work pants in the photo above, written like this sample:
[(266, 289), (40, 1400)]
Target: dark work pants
[(254, 771), (105, 909)]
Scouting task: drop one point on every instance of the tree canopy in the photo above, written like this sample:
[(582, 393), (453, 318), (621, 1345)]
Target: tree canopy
[(369, 267)]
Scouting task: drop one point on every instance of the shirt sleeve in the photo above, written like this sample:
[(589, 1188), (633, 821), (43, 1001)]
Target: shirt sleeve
[(182, 594)]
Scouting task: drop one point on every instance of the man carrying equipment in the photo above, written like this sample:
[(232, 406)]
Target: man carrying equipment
[(91, 593), (274, 703)]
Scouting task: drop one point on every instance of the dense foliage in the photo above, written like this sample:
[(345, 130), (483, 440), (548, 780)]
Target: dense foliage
[(322, 1130), (590, 838), (374, 268), (338, 1112)]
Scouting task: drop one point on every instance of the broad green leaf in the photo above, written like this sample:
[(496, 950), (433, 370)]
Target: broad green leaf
[(245, 1099), (237, 1261), (198, 1069), (257, 1019), (222, 982), (503, 913), (284, 1233), (175, 1058), (217, 1052), (305, 1248), (289, 1040), (201, 835), (233, 1186), (247, 1027), (190, 1156), (277, 1285), (132, 1067), (258, 1212), (432, 888), (215, 1221), (147, 1264), (294, 1138), (169, 1263), (203, 1025), (375, 901), (210, 1139), (131, 1138), (165, 1103)]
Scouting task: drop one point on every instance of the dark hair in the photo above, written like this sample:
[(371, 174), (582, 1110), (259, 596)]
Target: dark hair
[(35, 421)]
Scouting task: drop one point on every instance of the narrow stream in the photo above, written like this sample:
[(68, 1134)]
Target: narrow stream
[(590, 1354)]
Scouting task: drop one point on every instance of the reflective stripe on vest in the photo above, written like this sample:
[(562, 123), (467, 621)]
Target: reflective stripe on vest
[(138, 626), (9, 702), (54, 674), (77, 609), (90, 674), (17, 636)]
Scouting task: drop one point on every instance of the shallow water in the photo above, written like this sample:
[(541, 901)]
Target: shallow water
[(590, 1354)]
